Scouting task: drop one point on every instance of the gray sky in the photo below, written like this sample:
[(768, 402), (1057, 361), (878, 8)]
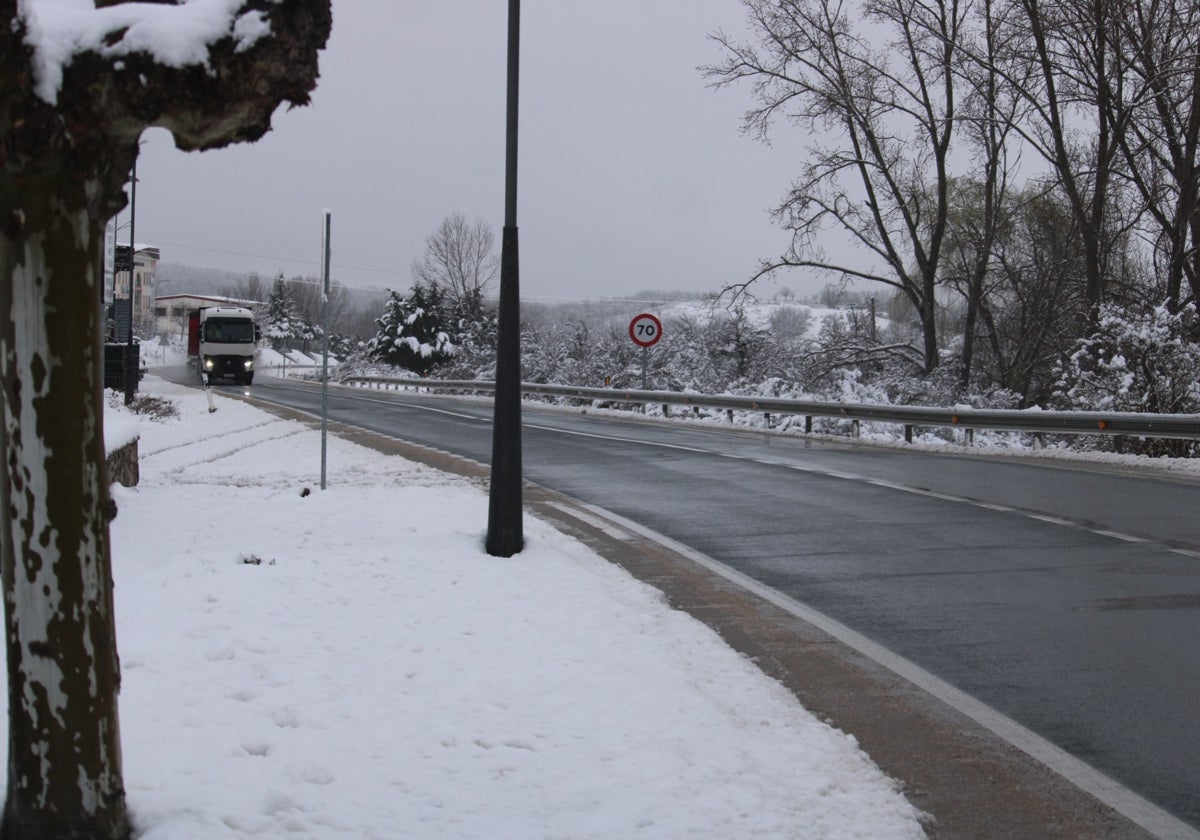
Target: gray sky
[(633, 174)]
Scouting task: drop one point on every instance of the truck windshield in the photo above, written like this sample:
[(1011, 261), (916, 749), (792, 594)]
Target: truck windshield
[(229, 331)]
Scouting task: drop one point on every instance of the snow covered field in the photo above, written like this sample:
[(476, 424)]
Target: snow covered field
[(350, 663)]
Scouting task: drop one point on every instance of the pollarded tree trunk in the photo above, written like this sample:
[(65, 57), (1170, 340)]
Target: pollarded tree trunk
[(64, 757), (65, 154)]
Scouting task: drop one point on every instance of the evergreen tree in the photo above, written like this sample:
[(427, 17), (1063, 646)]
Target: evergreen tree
[(473, 328), (413, 331), (281, 324)]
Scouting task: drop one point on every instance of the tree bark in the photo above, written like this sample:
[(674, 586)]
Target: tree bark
[(64, 754), (63, 167)]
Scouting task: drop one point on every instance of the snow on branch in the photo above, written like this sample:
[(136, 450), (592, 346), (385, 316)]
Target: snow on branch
[(173, 35)]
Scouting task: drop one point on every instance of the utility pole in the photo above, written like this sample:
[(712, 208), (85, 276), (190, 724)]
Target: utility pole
[(505, 535)]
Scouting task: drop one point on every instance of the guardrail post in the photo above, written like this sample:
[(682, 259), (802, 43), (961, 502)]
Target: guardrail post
[(808, 424), (666, 410), (855, 428), (1039, 440), (766, 420), (729, 411), (968, 437), (908, 430), (1119, 444)]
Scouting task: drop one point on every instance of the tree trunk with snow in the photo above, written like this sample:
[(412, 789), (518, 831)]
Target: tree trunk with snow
[(65, 154), (64, 758)]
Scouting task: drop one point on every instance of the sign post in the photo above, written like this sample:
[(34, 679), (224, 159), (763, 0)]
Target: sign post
[(326, 217), (646, 331)]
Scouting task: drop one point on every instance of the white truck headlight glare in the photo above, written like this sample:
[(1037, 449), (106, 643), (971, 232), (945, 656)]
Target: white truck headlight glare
[(208, 363)]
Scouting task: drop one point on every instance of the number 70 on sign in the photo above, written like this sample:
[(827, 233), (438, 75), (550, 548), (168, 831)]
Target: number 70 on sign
[(645, 330)]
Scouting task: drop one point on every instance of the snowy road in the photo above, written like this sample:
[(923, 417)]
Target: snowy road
[(1068, 599)]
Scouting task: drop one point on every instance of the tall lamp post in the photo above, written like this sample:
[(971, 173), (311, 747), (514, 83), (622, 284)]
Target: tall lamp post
[(505, 536)]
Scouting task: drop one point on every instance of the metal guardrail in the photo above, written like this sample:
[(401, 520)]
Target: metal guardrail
[(286, 368), (1036, 421)]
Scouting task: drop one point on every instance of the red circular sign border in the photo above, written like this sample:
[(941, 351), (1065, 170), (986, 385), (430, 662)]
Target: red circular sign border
[(657, 335)]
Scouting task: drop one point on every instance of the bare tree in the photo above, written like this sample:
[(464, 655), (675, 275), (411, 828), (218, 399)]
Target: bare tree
[(978, 202), (459, 260), (1160, 105), (315, 309), (1036, 305), (881, 88), (249, 288), (1062, 58), (67, 144)]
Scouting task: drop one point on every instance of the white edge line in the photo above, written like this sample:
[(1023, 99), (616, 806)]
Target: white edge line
[(1117, 535), (1121, 799), (572, 433)]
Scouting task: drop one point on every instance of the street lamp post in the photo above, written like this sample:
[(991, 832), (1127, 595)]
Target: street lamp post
[(505, 536)]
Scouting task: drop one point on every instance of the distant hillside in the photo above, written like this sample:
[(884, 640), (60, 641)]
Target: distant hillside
[(178, 279)]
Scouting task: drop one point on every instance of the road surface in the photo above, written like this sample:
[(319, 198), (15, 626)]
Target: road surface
[(1065, 597)]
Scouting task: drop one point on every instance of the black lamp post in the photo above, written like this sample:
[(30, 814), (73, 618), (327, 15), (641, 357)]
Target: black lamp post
[(505, 536)]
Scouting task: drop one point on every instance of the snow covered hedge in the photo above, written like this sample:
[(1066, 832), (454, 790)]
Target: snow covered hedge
[(1137, 360)]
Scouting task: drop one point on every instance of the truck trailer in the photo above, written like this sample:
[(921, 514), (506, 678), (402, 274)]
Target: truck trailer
[(221, 343)]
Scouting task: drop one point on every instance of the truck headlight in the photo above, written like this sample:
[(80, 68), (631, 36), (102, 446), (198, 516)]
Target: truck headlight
[(249, 364), (208, 363)]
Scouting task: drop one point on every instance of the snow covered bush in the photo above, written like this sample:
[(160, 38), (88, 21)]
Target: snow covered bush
[(1136, 360), (473, 327)]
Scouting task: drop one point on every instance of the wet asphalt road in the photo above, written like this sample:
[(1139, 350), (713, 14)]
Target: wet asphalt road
[(1066, 598)]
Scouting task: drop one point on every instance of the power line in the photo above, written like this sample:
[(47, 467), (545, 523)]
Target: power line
[(314, 262)]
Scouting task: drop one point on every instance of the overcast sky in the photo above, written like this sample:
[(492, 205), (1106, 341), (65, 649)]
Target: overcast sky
[(633, 173)]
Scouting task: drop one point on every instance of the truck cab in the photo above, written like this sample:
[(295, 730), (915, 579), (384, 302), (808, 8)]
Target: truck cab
[(221, 340)]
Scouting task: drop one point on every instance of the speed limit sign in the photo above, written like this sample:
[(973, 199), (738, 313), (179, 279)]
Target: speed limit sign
[(645, 330)]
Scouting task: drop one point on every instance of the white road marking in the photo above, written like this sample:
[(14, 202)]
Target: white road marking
[(1121, 799), (572, 433), (878, 482)]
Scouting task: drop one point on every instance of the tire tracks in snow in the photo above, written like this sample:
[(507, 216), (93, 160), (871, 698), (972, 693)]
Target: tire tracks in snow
[(232, 443)]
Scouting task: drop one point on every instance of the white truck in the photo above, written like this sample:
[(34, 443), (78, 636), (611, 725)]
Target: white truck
[(221, 343)]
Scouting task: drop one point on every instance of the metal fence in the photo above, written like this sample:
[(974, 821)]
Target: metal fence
[(1034, 421)]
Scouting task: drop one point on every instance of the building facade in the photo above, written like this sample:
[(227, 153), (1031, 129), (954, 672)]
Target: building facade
[(137, 282)]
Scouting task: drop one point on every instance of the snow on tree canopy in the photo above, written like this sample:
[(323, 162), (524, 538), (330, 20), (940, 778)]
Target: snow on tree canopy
[(412, 332), (175, 35)]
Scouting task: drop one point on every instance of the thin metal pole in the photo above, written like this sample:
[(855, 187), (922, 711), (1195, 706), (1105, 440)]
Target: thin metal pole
[(131, 373), (505, 535), (325, 247)]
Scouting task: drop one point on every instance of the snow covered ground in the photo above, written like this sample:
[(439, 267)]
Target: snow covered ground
[(349, 663)]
